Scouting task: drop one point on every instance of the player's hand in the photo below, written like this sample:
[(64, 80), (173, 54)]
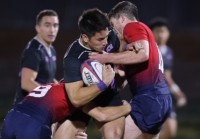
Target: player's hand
[(108, 74), (127, 105), (181, 99), (81, 135), (102, 58)]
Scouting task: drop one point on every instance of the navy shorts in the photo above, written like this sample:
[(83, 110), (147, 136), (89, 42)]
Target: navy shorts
[(105, 99), (23, 123), (150, 108), (18, 125)]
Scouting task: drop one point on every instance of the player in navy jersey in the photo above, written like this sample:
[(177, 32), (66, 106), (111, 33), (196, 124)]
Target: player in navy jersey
[(38, 60), (161, 29), (95, 36), (47, 104), (151, 102)]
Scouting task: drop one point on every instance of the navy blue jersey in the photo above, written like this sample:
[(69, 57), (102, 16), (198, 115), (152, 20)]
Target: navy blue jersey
[(77, 53), (167, 55), (35, 57)]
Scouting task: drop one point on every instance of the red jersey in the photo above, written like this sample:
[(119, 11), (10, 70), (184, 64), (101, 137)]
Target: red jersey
[(53, 98), (148, 73)]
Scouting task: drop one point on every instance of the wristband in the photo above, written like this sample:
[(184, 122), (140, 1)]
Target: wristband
[(174, 88), (102, 86)]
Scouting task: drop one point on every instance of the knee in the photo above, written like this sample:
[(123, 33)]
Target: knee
[(116, 133)]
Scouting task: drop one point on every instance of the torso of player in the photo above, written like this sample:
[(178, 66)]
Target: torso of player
[(148, 73), (36, 58), (76, 54), (167, 55), (53, 99)]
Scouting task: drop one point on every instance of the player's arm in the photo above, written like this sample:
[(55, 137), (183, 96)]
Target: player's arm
[(28, 77), (175, 89), (138, 54), (109, 113), (80, 95)]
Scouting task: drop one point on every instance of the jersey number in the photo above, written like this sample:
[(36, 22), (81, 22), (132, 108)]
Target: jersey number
[(40, 91)]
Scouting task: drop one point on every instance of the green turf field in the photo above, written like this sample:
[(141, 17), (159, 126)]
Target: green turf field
[(188, 117)]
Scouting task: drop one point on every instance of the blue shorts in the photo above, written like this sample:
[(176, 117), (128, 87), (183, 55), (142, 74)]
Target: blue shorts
[(150, 108), (24, 125)]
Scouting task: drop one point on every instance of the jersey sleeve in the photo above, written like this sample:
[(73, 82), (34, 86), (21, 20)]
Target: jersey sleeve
[(72, 71), (134, 32), (31, 59)]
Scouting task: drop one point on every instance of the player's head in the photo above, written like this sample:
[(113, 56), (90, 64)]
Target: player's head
[(47, 25), (121, 14), (93, 25), (161, 30)]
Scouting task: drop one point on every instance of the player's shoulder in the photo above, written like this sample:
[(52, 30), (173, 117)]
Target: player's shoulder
[(113, 41), (34, 45), (77, 51)]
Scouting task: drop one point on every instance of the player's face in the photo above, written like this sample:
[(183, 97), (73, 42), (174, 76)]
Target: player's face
[(47, 29), (98, 42), (161, 35), (117, 24)]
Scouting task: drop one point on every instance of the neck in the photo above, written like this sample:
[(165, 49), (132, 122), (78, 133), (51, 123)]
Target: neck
[(42, 41)]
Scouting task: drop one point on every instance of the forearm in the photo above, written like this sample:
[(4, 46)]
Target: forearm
[(29, 85), (80, 95), (106, 114), (127, 57)]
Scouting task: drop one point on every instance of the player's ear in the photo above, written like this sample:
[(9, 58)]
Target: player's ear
[(37, 28), (122, 18), (85, 38)]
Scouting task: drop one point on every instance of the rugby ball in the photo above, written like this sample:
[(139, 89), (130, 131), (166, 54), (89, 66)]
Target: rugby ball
[(91, 71)]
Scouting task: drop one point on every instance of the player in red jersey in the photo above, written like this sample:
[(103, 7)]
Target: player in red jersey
[(161, 29), (151, 102), (47, 104)]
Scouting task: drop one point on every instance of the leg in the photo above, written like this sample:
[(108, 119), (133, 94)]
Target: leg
[(148, 136), (68, 129), (131, 129), (113, 129), (133, 132), (169, 129)]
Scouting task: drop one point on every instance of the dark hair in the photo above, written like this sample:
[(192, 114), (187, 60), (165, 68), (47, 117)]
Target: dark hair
[(158, 22), (126, 8), (46, 12), (92, 21)]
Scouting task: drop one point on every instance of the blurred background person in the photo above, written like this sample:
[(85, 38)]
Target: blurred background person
[(161, 30), (38, 60)]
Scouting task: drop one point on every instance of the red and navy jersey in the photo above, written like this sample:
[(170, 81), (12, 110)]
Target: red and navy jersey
[(35, 57), (52, 98), (148, 73)]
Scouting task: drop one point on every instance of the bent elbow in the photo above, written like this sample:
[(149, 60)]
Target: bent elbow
[(145, 56), (102, 118), (24, 85), (76, 103)]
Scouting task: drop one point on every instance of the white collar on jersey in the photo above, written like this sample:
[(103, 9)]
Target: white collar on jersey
[(47, 48), (79, 41)]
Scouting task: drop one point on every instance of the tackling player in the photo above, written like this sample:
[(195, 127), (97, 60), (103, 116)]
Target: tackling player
[(151, 102), (47, 104)]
